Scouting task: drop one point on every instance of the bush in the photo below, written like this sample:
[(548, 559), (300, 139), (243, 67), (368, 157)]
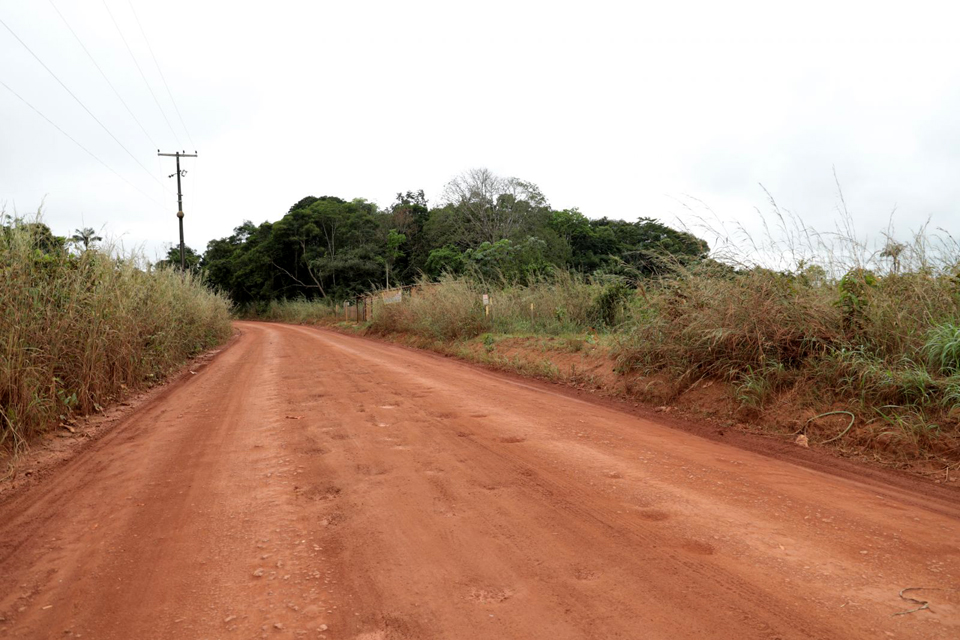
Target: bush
[(610, 302), (703, 322)]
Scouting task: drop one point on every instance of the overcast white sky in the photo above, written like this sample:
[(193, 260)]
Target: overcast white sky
[(620, 109)]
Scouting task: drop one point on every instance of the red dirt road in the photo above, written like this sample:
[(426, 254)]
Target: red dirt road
[(307, 484)]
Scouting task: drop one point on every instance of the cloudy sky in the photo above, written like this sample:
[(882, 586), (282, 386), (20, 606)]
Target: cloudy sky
[(674, 110)]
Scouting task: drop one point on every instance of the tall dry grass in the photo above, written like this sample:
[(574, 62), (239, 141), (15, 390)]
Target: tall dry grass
[(298, 311), (453, 309), (79, 329), (833, 318), (797, 298)]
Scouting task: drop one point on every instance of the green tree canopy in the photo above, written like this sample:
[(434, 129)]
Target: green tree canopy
[(485, 224), (191, 259)]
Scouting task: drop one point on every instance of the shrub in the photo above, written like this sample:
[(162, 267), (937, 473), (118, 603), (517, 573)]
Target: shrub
[(853, 289), (610, 302), (703, 322)]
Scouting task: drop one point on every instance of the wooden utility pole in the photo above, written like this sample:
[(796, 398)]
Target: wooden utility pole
[(178, 155)]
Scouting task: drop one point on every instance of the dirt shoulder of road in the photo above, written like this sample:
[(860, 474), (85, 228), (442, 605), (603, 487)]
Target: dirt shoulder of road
[(56, 447), (585, 367)]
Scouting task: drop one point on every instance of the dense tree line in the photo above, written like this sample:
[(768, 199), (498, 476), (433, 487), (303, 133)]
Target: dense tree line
[(486, 225)]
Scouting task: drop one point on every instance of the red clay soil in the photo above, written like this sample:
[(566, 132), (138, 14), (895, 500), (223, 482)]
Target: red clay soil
[(308, 484)]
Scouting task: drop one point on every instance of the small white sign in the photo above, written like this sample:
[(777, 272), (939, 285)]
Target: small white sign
[(486, 300)]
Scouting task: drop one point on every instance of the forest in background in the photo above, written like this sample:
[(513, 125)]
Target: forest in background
[(499, 229)]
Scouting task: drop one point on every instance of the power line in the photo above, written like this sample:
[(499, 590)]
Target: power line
[(103, 126), (162, 77), (73, 140), (115, 92), (142, 75)]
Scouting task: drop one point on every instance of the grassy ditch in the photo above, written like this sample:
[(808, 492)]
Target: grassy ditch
[(78, 329)]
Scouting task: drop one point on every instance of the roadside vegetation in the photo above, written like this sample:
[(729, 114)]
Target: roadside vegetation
[(820, 335), (81, 325), (882, 349)]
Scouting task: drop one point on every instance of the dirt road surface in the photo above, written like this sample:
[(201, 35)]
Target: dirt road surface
[(307, 484)]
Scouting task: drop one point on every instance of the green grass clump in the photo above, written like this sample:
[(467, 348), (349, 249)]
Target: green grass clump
[(77, 330), (942, 348)]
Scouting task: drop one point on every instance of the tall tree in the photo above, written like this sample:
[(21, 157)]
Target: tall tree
[(394, 240), (492, 208), (409, 215)]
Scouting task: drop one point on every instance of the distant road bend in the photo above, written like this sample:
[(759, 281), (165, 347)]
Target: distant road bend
[(307, 484)]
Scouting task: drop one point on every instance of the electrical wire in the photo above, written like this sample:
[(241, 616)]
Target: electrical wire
[(142, 75), (74, 141), (115, 92), (162, 77), (72, 95)]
